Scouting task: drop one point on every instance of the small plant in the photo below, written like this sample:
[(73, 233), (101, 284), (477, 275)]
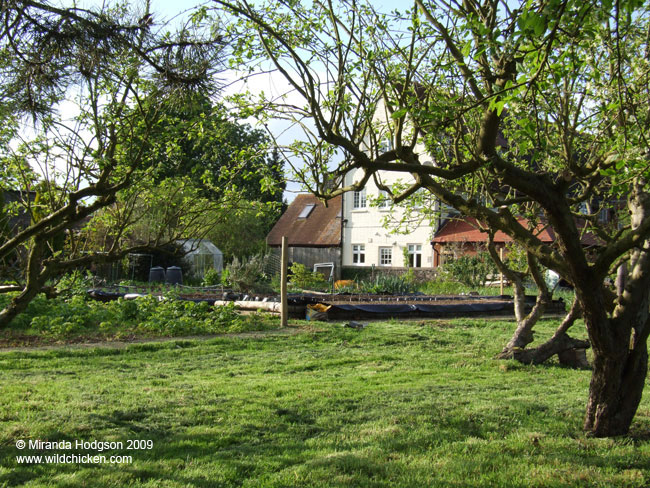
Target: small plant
[(211, 277), (388, 284), (75, 283)]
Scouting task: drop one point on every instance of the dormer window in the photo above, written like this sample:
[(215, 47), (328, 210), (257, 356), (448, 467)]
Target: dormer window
[(306, 211)]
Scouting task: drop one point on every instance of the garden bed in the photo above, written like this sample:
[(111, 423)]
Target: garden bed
[(414, 306), (349, 306)]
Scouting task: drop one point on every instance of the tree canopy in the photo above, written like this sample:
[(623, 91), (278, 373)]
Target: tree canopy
[(197, 138), (500, 109), (76, 91)]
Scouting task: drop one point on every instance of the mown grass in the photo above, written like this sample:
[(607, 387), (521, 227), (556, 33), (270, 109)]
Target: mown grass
[(396, 404)]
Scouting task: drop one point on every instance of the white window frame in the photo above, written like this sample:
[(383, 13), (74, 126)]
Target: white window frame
[(415, 251), (385, 144), (358, 253), (359, 200), (385, 256)]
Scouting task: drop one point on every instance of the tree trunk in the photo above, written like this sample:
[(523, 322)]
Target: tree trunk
[(615, 392), (620, 338), (558, 344), (523, 334), (36, 278)]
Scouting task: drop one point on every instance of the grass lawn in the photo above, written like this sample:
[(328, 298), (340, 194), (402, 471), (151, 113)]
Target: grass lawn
[(413, 404)]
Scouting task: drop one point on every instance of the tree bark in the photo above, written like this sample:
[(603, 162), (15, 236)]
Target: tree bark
[(559, 343), (36, 279), (615, 392), (523, 334), (620, 338)]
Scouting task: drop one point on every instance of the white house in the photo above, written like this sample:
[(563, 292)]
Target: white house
[(368, 241), (375, 232)]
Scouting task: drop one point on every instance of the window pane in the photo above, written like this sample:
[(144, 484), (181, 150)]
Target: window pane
[(359, 200), (358, 253), (306, 211), (384, 199)]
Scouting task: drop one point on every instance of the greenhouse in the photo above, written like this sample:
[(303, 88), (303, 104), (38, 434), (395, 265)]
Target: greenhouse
[(201, 255)]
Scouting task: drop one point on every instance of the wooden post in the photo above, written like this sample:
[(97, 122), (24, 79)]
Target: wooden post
[(501, 257), (284, 307)]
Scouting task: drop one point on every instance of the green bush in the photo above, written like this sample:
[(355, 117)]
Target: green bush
[(211, 277), (305, 279), (248, 276), (472, 271), (75, 283)]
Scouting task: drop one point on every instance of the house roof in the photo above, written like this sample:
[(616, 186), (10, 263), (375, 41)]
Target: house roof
[(320, 228), (467, 230)]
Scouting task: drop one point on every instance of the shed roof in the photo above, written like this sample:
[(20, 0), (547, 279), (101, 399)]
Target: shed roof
[(320, 228), (199, 246), (467, 229)]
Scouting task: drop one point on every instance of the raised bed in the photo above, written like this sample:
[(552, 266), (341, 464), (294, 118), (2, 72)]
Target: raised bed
[(351, 306)]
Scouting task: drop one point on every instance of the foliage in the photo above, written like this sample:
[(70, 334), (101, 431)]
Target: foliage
[(75, 283), (242, 230), (66, 318), (77, 127), (248, 275), (303, 278), (470, 270), (211, 277), (516, 258), (199, 140), (384, 284)]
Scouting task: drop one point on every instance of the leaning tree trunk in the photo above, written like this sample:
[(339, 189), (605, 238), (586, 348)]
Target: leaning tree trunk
[(560, 343), (36, 278), (523, 334), (620, 338)]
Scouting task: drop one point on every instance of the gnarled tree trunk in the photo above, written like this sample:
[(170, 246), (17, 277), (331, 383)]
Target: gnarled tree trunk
[(615, 391), (619, 338), (36, 278), (560, 343)]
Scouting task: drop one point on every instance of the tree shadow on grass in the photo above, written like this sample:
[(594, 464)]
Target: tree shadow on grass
[(292, 447)]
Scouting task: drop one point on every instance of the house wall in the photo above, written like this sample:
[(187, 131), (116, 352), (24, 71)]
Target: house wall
[(366, 227)]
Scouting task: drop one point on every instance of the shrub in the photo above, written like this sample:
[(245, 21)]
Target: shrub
[(305, 279), (471, 271), (211, 277), (248, 276)]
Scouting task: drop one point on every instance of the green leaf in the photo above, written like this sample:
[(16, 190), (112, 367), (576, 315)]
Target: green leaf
[(398, 114)]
